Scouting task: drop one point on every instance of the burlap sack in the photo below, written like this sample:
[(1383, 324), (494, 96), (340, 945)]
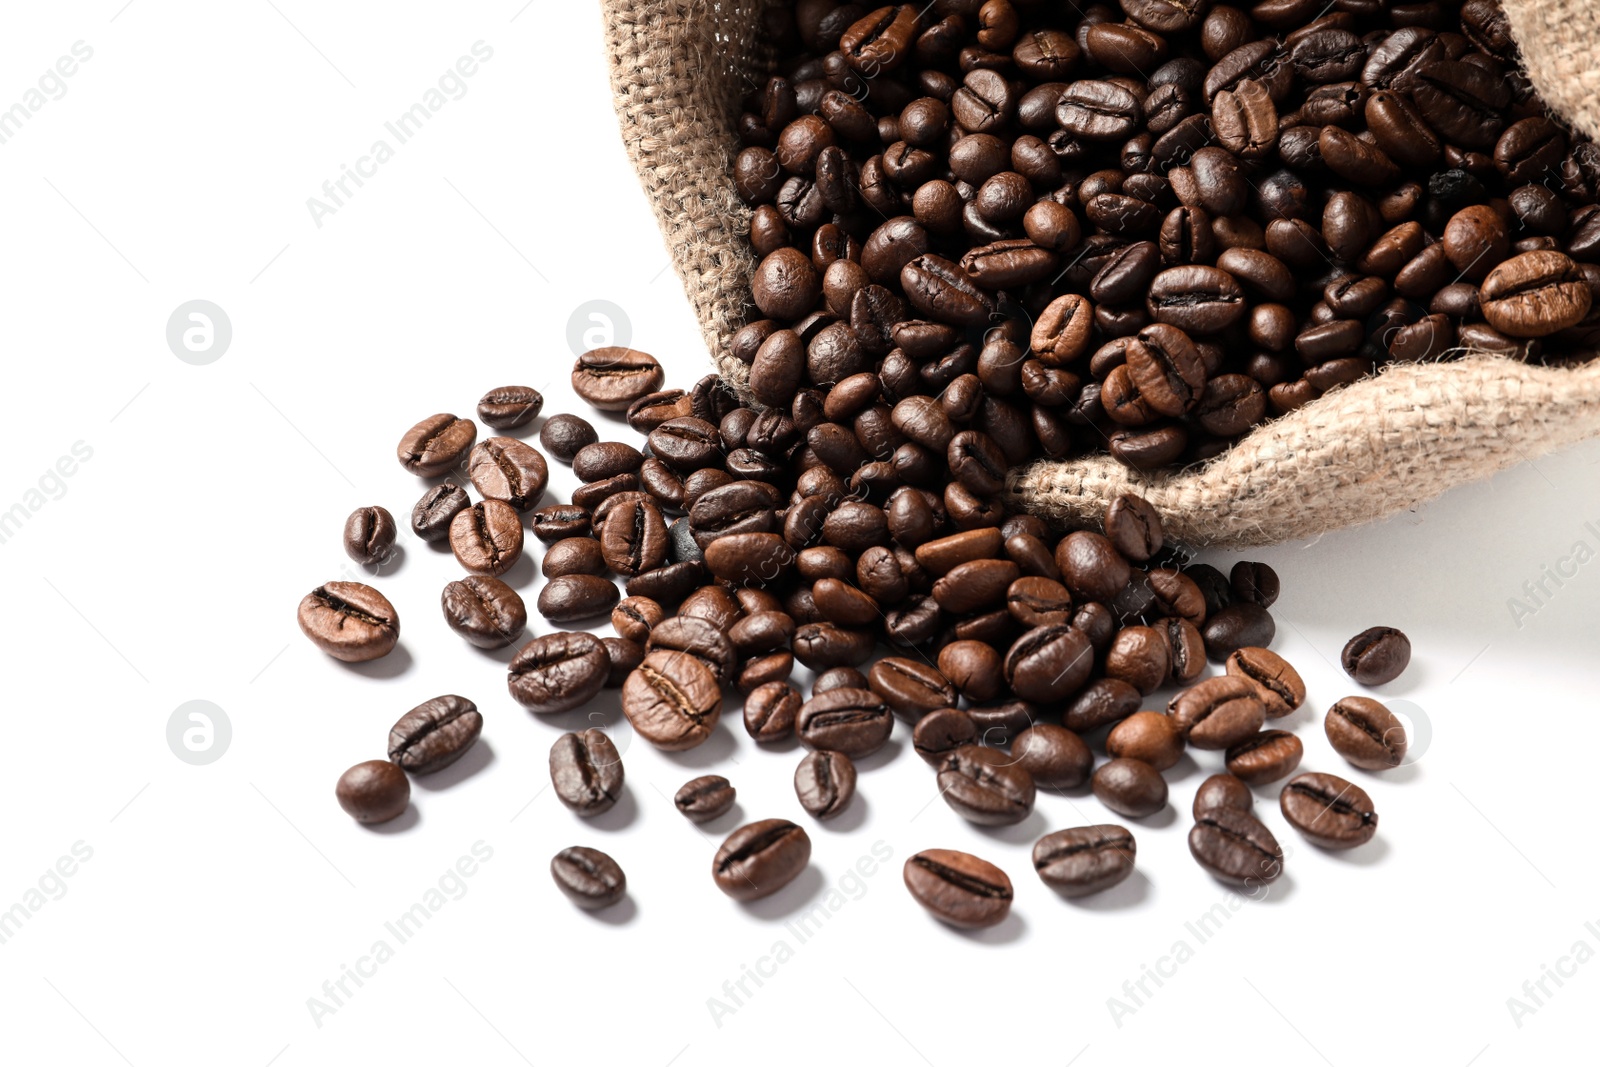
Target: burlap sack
[(1381, 445)]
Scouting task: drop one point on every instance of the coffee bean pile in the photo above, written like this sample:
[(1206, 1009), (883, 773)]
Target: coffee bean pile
[(1143, 230), (748, 542)]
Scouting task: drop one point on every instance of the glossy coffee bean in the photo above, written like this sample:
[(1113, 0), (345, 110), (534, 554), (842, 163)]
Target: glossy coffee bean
[(672, 700), (504, 468), (856, 722), (369, 535), (1085, 859), (760, 858), (986, 787), (770, 711), (564, 436), (941, 732), (824, 783), (1376, 655), (586, 771), (1222, 791), (1235, 847), (1366, 733), (510, 406), (430, 518), (958, 888), (613, 378), (1237, 626), (434, 734), (1219, 712), (1148, 736), (558, 672), (485, 611), (1329, 811), (909, 687), (1265, 757), (1130, 787), (373, 792), (707, 797), (1134, 527), (588, 877), (1055, 757), (486, 538), (349, 621), (1101, 703), (435, 445), (1278, 685), (572, 597)]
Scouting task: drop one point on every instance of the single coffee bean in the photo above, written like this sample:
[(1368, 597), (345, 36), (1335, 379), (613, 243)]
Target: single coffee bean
[(564, 436), (986, 787), (1140, 656), (504, 468), (485, 611), (1134, 527), (573, 555), (856, 722), (435, 445), (1235, 847), (373, 792), (606, 459), (571, 597), (698, 638), (1100, 703), (633, 537), (672, 700), (510, 406), (1535, 294), (1084, 859), (635, 616), (1366, 733), (939, 733), (486, 538), (349, 621), (589, 878), (958, 888), (558, 672), (1278, 685), (1376, 655), (1254, 582), (770, 712), (825, 782), (369, 535), (1329, 811), (705, 798), (1266, 757), (761, 858), (1054, 756), (622, 658), (1148, 736), (613, 378), (430, 518), (586, 770), (434, 734), (1048, 663), (1237, 626), (559, 522), (911, 689), (1130, 787), (1091, 566), (1222, 791), (1218, 712)]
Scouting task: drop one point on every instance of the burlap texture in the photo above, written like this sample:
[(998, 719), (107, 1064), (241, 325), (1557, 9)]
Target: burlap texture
[(1378, 446)]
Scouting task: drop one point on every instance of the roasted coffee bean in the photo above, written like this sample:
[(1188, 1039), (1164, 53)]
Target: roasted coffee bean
[(510, 406), (369, 535), (1376, 655), (855, 722), (1054, 756), (958, 888), (564, 436), (653, 409), (1130, 787), (1134, 527), (485, 611), (1235, 847), (1278, 685), (1084, 859), (1265, 757), (434, 734), (586, 771), (373, 792), (635, 616), (821, 645), (1222, 791), (1047, 664), (622, 659), (770, 711), (910, 688), (999, 721), (672, 700), (1101, 703), (571, 597), (1037, 602), (504, 468), (1366, 733), (557, 522), (1098, 111), (558, 672), (1219, 712), (838, 678), (349, 621), (633, 538), (613, 378), (703, 640), (487, 537), (431, 517), (760, 858), (986, 787), (1140, 656), (825, 783), (1329, 811), (1148, 736), (1091, 566), (589, 878), (705, 798), (435, 445), (941, 732), (573, 555), (606, 459), (756, 559), (1239, 625)]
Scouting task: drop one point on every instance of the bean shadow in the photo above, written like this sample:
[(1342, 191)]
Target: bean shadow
[(714, 751), (789, 900), (1005, 933), (1368, 855), (622, 913), (888, 752), (1025, 832), (851, 818), (405, 822), (1160, 820), (1128, 893), (394, 665), (522, 572), (476, 758), (619, 815)]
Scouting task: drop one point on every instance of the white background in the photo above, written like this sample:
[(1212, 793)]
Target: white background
[(218, 899)]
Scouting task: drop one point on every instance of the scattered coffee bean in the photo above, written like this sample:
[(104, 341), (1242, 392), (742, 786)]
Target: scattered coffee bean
[(431, 517), (487, 537), (986, 787), (959, 888), (855, 722), (485, 611), (1265, 757), (1366, 733), (1085, 859), (1223, 791), (1055, 757), (1130, 787), (1235, 847), (1376, 656), (510, 406), (558, 672), (589, 878), (369, 535), (571, 597), (1149, 737), (434, 734), (373, 792), (504, 468), (770, 711), (435, 445), (825, 783), (1328, 810), (1278, 685), (761, 858), (704, 798), (349, 621), (672, 700), (1218, 712), (564, 436), (586, 770), (613, 378)]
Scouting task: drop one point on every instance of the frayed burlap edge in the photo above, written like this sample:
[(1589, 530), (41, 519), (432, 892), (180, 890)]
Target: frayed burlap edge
[(1378, 446), (1373, 448)]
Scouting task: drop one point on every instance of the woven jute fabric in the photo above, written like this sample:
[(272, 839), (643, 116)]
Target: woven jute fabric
[(1370, 449)]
